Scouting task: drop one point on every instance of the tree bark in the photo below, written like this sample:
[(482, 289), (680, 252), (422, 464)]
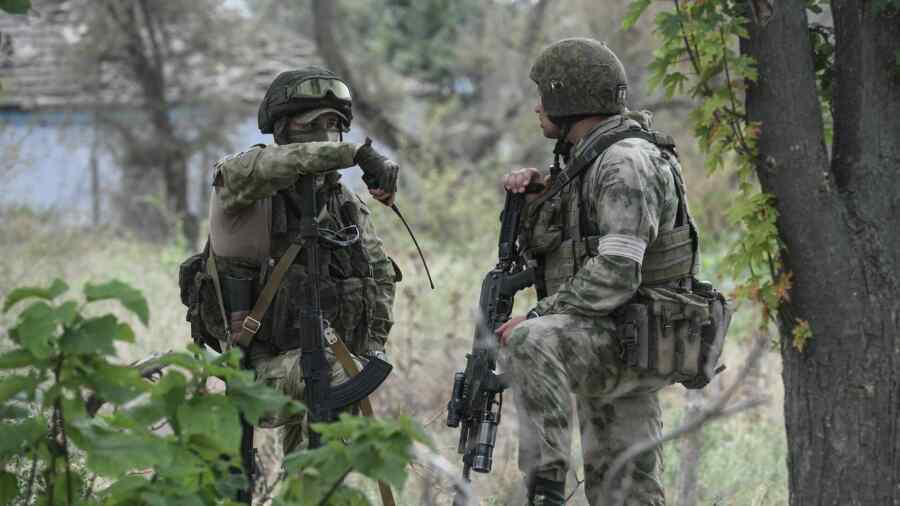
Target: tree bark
[(837, 219)]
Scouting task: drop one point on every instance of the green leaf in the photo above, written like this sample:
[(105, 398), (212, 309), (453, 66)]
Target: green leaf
[(96, 335), (116, 384), (635, 9), (15, 6), (255, 399), (15, 436), (13, 385), (125, 490), (211, 421), (37, 329), (56, 288), (67, 313), (10, 411), (15, 359), (9, 488), (129, 297), (112, 453)]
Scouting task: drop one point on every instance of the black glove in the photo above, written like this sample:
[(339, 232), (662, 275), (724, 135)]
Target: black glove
[(379, 172), (379, 354)]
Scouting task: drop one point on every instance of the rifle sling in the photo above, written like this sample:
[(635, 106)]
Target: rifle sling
[(365, 406), (585, 159), (253, 322)]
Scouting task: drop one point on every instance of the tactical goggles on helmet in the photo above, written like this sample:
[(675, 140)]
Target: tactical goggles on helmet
[(318, 87)]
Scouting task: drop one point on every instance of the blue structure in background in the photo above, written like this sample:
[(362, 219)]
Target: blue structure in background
[(47, 158)]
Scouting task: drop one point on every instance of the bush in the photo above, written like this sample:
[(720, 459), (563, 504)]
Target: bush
[(53, 451)]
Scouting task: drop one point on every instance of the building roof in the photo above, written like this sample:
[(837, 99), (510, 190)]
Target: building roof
[(38, 70)]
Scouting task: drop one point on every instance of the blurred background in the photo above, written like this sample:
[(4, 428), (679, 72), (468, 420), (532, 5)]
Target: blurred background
[(113, 112)]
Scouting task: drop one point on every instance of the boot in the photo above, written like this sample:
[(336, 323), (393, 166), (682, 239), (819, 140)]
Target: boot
[(544, 492)]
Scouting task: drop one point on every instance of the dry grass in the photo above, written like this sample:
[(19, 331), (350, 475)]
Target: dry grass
[(743, 460)]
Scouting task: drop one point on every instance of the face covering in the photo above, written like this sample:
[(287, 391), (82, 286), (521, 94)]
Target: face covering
[(313, 136)]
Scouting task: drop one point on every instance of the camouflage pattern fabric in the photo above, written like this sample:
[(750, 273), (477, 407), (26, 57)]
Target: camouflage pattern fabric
[(630, 196), (551, 357), (283, 373), (245, 182), (260, 172), (630, 193), (383, 272), (580, 76)]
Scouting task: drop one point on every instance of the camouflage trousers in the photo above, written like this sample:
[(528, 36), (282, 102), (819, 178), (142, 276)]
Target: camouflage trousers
[(283, 373), (552, 357)]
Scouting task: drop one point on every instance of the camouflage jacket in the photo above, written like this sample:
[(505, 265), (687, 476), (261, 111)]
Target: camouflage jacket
[(241, 214), (629, 196)]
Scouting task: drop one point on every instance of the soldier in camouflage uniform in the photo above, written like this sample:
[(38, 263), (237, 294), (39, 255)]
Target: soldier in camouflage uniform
[(588, 243), (254, 217)]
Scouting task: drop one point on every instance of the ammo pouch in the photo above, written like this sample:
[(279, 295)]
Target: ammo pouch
[(239, 278), (195, 286), (673, 333)]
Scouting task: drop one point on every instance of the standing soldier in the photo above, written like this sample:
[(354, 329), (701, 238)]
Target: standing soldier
[(592, 237), (254, 219)]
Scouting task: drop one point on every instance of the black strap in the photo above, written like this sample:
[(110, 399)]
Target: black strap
[(587, 157)]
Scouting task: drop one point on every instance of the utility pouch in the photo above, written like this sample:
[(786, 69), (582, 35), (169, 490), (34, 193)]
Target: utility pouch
[(239, 293), (712, 335), (671, 340), (631, 327), (195, 287)]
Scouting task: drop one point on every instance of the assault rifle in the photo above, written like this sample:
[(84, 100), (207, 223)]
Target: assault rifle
[(322, 400), (477, 397)]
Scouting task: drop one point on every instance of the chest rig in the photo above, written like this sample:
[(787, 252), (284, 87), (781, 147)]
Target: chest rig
[(346, 281), (563, 237)]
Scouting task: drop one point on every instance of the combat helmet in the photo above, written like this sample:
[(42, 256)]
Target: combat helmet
[(580, 77), (307, 89)]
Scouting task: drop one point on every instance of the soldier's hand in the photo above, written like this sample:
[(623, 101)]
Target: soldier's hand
[(379, 172), (383, 197), (517, 181), (506, 329)]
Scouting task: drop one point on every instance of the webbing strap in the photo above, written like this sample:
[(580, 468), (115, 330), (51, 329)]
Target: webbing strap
[(213, 271), (584, 159), (253, 322), (343, 356)]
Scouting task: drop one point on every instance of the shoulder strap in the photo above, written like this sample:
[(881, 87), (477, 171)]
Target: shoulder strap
[(253, 322), (213, 271), (587, 157)]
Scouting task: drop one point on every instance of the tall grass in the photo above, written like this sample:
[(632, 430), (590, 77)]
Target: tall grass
[(743, 457)]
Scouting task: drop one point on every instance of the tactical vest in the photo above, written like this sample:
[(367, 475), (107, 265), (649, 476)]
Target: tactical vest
[(346, 281), (563, 238)]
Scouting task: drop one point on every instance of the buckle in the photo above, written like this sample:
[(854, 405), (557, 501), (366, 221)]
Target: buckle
[(251, 325)]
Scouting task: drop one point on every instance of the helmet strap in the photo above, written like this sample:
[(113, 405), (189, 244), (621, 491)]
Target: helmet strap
[(563, 146)]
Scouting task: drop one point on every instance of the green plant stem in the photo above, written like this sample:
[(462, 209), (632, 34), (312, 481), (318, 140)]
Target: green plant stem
[(691, 50), (729, 86), (334, 488), (31, 477), (60, 422)]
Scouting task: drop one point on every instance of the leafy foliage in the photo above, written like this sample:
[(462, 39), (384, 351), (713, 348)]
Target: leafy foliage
[(418, 38), (14, 7), (61, 353), (698, 56)]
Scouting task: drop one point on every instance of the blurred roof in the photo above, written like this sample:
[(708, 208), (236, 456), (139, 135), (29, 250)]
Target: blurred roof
[(37, 70)]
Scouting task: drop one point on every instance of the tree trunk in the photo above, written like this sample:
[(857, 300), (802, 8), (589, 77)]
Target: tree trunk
[(837, 220)]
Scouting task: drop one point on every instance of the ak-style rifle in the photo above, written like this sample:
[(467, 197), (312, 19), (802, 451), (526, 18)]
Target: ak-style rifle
[(477, 398)]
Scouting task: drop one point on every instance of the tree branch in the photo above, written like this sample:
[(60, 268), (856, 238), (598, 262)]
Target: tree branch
[(377, 123)]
